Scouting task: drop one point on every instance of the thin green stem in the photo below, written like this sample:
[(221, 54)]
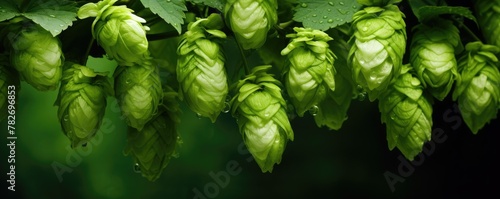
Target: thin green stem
[(243, 57), (87, 52), (468, 30)]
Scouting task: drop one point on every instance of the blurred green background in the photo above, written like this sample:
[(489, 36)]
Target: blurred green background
[(349, 163)]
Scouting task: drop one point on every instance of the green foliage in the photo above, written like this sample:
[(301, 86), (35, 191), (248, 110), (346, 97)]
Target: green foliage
[(282, 57), (323, 15)]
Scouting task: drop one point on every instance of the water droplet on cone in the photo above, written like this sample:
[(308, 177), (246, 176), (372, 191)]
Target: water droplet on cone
[(137, 168), (314, 110)]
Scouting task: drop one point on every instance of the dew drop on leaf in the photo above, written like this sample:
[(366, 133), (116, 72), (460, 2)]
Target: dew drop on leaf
[(331, 3), (330, 20), (314, 110), (320, 21), (314, 15), (61, 25), (354, 7), (137, 168), (53, 16), (341, 3), (304, 5), (324, 17), (2, 10), (329, 10)]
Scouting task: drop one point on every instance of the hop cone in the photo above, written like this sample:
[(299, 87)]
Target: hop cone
[(478, 88), (488, 17), (200, 68), (378, 46), (38, 57), (262, 118), (407, 113), (251, 20), (309, 70), (138, 91), (332, 111), (378, 3), (432, 55), (8, 77), (82, 102), (154, 145), (118, 31)]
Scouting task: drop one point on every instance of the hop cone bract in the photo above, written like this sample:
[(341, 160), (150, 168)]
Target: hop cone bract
[(38, 57), (309, 72), (407, 113), (251, 20), (262, 119), (118, 31), (139, 92), (378, 46), (432, 55), (478, 88), (82, 102), (154, 145), (488, 17), (200, 67)]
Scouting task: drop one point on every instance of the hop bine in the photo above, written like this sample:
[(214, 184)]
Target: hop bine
[(309, 71), (262, 119), (37, 55), (154, 145), (432, 55), (200, 67), (478, 87), (138, 91), (82, 102), (251, 20), (118, 31), (488, 17), (8, 77), (407, 113), (378, 45)]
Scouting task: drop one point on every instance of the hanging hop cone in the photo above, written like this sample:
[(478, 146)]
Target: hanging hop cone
[(378, 46), (478, 88), (200, 67), (82, 102), (118, 31), (432, 54), (37, 55), (488, 17), (138, 91), (309, 71), (377, 3), (9, 86), (251, 20), (332, 111), (154, 145), (262, 119), (407, 113)]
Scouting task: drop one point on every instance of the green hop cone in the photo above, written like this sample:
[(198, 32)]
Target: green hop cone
[(488, 17), (82, 102), (139, 92), (432, 54), (200, 67), (309, 71), (378, 45), (118, 31), (332, 111), (378, 3), (478, 88), (262, 119), (38, 57), (9, 84), (251, 20), (154, 145), (407, 113)]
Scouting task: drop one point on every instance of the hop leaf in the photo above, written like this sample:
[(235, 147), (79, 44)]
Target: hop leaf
[(37, 55), (82, 102), (432, 55), (251, 20), (138, 91), (378, 46), (488, 17), (200, 68), (477, 90), (8, 77), (309, 72), (262, 119), (407, 113), (154, 145), (118, 31)]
